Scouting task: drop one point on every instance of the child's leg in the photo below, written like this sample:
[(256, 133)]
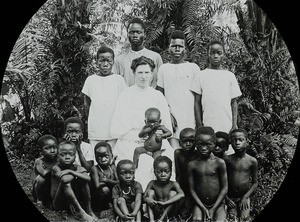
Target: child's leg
[(197, 214), (245, 213), (65, 193), (168, 208), (232, 210), (220, 214), (136, 156), (139, 215), (151, 194), (37, 188), (86, 197), (156, 154), (122, 205)]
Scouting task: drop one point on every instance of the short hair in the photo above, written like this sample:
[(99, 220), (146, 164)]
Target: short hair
[(137, 21), (177, 34), (42, 139), (151, 110), (73, 119), (239, 131), (66, 142), (162, 159), (101, 144), (214, 42), (184, 131), (105, 49), (122, 162), (206, 130), (223, 135), (142, 61)]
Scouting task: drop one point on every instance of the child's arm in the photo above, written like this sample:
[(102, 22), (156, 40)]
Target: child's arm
[(198, 109), (86, 164), (222, 173), (39, 167), (87, 104), (148, 200), (253, 186), (178, 196), (145, 130), (166, 133), (95, 177), (234, 110), (82, 174)]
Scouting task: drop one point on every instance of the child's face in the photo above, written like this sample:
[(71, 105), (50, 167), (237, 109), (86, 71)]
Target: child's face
[(216, 54), (221, 147), (239, 141), (126, 173), (74, 132), (66, 154), (205, 144), (153, 119), (105, 63), (187, 141), (162, 172), (103, 156), (49, 149), (177, 49)]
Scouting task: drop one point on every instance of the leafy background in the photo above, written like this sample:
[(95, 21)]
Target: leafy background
[(55, 53)]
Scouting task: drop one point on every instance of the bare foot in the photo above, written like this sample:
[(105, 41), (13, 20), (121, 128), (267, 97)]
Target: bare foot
[(88, 218)]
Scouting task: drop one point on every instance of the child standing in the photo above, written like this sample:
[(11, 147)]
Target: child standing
[(127, 195), (74, 132), (161, 194), (207, 179), (242, 177), (101, 92), (103, 175), (70, 184), (42, 169), (216, 91), (174, 80), (182, 157), (154, 133)]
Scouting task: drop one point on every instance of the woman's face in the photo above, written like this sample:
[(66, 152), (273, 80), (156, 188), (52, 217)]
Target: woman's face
[(143, 76)]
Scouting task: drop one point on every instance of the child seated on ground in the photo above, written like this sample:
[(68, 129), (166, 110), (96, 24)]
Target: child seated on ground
[(73, 128), (207, 179), (182, 157), (222, 144), (42, 170), (70, 184), (242, 177), (127, 194), (103, 176), (161, 194), (154, 133)]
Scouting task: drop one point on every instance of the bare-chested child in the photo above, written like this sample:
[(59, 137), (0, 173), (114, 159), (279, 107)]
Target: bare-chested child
[(127, 194), (161, 194), (154, 133), (222, 144), (207, 178), (70, 184), (42, 170), (242, 177), (103, 176), (182, 157)]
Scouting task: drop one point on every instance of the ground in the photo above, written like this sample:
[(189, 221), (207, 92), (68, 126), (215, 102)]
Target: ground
[(23, 172)]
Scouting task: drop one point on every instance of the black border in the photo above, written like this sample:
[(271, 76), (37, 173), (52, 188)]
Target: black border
[(16, 14)]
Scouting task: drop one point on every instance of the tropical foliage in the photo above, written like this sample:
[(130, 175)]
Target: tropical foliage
[(55, 54)]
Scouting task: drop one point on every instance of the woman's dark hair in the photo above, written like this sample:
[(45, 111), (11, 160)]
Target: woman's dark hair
[(142, 61)]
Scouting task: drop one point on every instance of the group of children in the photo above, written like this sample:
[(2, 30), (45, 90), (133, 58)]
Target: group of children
[(210, 185)]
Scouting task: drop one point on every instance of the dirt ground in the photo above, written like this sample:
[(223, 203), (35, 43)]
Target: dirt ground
[(23, 172)]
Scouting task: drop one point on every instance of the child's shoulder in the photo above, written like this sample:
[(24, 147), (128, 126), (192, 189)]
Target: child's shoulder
[(250, 158)]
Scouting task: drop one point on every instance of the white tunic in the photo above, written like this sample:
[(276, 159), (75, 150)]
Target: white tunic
[(127, 122), (217, 88), (176, 80), (103, 92)]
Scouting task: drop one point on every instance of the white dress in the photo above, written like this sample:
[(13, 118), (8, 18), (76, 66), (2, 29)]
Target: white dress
[(127, 122)]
